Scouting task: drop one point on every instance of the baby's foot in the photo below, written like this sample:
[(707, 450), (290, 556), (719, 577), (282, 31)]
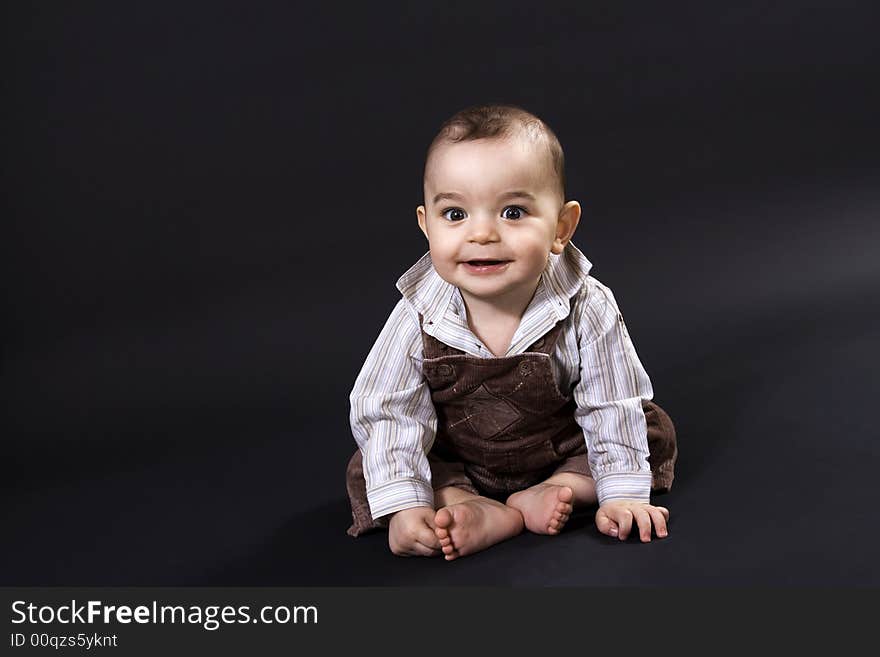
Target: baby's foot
[(545, 508), (474, 525)]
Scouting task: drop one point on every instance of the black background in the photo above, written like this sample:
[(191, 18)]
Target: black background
[(206, 207)]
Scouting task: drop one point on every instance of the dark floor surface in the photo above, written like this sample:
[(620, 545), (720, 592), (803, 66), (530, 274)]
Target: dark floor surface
[(776, 485)]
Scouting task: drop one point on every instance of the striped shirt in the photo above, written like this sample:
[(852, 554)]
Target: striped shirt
[(392, 416)]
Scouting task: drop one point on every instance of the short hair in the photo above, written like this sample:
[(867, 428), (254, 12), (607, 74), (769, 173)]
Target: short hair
[(500, 121)]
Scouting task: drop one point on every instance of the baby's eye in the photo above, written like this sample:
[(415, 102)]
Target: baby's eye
[(516, 209), (456, 217)]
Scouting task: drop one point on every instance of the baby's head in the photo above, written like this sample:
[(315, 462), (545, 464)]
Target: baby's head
[(495, 207)]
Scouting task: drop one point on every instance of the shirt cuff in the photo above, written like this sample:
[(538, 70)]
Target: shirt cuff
[(398, 495), (624, 485)]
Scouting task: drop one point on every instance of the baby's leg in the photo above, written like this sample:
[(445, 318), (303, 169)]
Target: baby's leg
[(546, 507), (468, 523)]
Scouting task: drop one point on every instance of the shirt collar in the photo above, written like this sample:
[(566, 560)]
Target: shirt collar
[(432, 297)]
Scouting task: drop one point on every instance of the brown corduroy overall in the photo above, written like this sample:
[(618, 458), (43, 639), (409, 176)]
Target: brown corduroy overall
[(503, 425)]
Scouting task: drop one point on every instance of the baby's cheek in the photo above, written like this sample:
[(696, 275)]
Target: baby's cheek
[(536, 261), (444, 268)]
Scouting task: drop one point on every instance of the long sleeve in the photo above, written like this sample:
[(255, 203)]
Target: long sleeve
[(609, 397), (393, 419)]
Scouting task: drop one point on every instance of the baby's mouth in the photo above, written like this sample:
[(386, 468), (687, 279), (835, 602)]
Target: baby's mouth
[(485, 263)]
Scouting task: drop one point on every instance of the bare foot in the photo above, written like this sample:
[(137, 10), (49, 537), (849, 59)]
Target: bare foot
[(545, 508), (474, 525)]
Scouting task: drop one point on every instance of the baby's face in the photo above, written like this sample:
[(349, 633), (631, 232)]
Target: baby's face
[(491, 216)]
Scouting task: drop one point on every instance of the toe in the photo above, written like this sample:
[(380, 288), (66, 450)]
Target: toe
[(565, 494), (443, 519)]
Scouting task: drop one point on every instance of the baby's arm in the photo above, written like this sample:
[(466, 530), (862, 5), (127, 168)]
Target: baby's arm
[(393, 420), (609, 398)]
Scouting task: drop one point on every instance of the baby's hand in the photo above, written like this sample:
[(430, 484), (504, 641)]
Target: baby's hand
[(411, 533), (615, 518)]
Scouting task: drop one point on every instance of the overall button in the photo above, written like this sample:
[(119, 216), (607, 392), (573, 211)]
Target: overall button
[(444, 370), (525, 368)]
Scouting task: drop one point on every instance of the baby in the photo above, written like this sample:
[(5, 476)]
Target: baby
[(504, 391)]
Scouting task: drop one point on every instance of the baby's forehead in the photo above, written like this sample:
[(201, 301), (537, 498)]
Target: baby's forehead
[(511, 161)]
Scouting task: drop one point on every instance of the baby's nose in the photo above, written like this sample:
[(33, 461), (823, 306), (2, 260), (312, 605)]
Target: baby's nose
[(483, 229)]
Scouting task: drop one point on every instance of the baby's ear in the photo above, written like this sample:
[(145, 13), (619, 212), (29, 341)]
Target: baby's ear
[(420, 213), (558, 246), (569, 216)]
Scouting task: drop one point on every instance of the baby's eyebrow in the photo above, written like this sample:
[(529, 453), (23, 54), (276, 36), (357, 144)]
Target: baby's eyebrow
[(518, 193)]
